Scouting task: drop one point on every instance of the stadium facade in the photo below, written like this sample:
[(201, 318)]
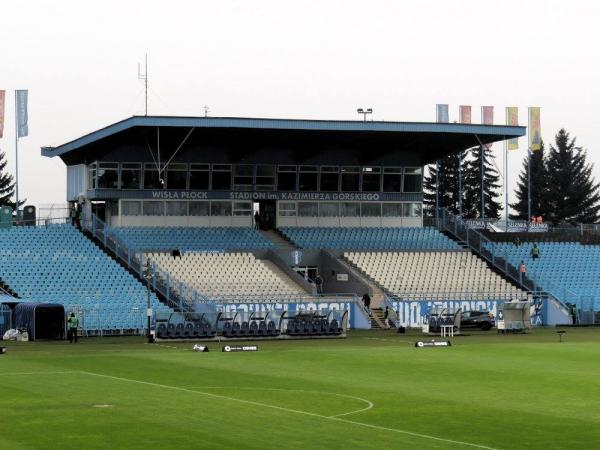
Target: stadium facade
[(217, 171)]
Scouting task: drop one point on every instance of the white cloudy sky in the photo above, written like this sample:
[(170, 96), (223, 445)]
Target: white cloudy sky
[(303, 59)]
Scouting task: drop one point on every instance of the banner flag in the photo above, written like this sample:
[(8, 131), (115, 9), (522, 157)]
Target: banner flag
[(512, 118), (2, 99), (535, 129), (22, 125), (442, 113), (465, 113), (487, 118)]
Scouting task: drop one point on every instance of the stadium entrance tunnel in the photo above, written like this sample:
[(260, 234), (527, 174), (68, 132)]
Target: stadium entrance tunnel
[(43, 321)]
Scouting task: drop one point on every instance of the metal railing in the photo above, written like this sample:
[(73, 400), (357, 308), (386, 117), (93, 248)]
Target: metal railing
[(490, 251)]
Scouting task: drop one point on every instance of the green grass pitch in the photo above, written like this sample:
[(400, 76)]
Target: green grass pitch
[(371, 390)]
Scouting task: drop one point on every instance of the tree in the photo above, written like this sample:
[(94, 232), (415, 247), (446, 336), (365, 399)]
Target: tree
[(472, 185), (7, 185), (539, 188), (449, 184), (573, 194)]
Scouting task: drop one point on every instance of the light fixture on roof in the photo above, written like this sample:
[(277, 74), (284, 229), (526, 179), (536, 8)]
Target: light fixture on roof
[(364, 112)]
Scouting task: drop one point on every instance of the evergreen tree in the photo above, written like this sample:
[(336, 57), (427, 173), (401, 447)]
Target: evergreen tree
[(472, 185), (573, 194), (448, 187), (7, 185), (539, 188)]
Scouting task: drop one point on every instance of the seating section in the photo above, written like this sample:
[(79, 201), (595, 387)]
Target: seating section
[(418, 238), (58, 264), (431, 272), (191, 238), (568, 270), (228, 274)]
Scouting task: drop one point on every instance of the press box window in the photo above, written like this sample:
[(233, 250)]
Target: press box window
[(199, 209), (242, 208), (92, 176), (306, 209), (176, 208), (392, 179), (370, 209), (243, 177), (108, 175), (350, 210), (391, 209), (330, 179), (287, 209), (308, 178), (131, 208), (286, 178), (154, 208), (265, 177), (131, 175), (412, 179), (151, 177), (371, 179), (411, 210), (221, 177), (350, 179), (220, 209), (177, 176), (199, 176), (329, 209)]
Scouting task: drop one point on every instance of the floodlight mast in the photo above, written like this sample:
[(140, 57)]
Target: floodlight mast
[(144, 77), (364, 112)]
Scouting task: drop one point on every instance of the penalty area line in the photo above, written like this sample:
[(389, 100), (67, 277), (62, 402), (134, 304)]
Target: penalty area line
[(295, 411)]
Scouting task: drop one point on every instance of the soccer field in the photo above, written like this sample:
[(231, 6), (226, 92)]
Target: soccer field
[(371, 390)]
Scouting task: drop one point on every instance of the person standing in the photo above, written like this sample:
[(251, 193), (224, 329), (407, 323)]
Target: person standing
[(535, 252), (522, 271), (367, 301), (319, 284), (386, 317), (72, 324), (257, 220)]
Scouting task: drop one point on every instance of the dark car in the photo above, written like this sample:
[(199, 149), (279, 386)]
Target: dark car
[(483, 320)]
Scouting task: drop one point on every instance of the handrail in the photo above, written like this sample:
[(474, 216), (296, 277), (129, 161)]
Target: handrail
[(487, 249)]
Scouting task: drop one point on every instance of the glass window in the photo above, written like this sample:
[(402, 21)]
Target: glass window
[(131, 175), (265, 177), (286, 178), (221, 177), (350, 210), (92, 176), (392, 209), (108, 176), (411, 210), (154, 208), (392, 179), (199, 176), (330, 179), (350, 179), (177, 176), (220, 209), (412, 179), (371, 179), (308, 209), (151, 178), (243, 177), (329, 209), (176, 208), (242, 208), (370, 209), (287, 209), (308, 178), (131, 208), (199, 208)]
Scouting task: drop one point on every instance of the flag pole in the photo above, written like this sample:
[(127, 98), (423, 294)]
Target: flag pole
[(528, 167), (506, 177), (16, 156)]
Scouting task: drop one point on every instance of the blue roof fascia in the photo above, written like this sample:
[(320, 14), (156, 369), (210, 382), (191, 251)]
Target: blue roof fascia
[(285, 124)]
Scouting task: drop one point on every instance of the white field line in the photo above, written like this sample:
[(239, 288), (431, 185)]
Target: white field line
[(369, 403), (295, 411), (11, 374)]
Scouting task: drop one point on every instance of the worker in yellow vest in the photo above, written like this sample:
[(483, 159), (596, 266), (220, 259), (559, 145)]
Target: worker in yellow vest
[(72, 324)]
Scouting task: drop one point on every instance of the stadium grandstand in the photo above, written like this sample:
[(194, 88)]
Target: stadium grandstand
[(231, 214)]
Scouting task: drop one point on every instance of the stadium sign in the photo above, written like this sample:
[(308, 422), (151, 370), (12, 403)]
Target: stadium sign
[(412, 314), (421, 344), (240, 348)]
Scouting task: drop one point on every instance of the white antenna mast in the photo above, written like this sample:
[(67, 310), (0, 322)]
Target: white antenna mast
[(144, 77), (206, 110)]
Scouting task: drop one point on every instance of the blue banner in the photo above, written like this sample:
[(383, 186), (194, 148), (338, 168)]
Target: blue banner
[(22, 117)]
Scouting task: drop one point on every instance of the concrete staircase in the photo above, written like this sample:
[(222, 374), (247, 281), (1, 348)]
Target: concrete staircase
[(377, 319), (278, 239)]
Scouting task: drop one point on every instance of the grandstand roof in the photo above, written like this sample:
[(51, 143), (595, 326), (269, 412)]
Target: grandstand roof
[(431, 140)]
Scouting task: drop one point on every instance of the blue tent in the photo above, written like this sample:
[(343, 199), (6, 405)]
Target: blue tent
[(41, 320)]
